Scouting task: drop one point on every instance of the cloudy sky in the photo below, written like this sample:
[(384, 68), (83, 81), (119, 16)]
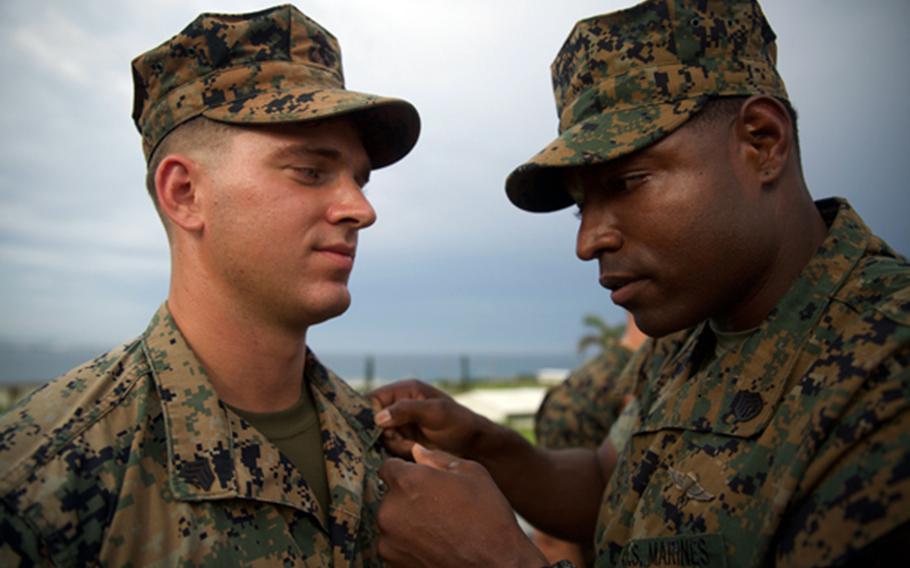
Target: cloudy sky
[(451, 266)]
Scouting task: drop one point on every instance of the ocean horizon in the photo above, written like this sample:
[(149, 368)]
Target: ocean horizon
[(38, 364)]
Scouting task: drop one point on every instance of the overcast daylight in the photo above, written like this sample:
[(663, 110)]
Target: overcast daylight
[(451, 266)]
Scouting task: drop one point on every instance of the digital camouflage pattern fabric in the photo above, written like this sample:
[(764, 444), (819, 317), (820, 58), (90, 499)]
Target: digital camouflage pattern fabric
[(579, 412), (627, 79), (132, 460), (792, 450), (272, 66)]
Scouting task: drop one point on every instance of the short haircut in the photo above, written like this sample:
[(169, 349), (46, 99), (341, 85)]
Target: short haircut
[(719, 109), (196, 137)]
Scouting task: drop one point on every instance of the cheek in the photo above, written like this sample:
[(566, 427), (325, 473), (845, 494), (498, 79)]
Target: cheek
[(686, 232), (249, 213), (241, 233), (671, 227)]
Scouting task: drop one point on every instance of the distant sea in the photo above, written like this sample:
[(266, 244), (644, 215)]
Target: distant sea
[(35, 364)]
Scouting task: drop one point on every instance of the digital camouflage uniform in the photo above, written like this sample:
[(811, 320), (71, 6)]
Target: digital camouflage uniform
[(794, 448), (132, 460), (579, 411)]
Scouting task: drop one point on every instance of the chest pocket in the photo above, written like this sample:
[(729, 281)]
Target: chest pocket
[(695, 477), (729, 400)]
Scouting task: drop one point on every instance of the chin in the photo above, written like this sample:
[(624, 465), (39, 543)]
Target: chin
[(657, 323), (328, 307)]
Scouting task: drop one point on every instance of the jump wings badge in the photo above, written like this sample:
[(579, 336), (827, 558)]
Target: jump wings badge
[(688, 484)]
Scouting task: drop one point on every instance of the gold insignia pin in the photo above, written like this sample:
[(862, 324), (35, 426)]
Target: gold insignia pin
[(688, 484)]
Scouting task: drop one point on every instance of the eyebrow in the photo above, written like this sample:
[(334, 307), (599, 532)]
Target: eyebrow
[(302, 150)]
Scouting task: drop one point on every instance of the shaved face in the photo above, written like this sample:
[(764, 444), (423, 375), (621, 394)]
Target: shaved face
[(283, 209), (680, 233)]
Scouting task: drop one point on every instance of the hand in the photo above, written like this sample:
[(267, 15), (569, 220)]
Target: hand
[(444, 511), (416, 412)]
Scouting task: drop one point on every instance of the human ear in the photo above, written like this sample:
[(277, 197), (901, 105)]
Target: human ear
[(177, 181), (766, 132)]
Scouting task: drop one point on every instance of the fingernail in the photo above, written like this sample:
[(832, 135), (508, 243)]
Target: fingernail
[(383, 417)]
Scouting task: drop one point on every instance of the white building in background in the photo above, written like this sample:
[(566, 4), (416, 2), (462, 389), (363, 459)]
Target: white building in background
[(506, 406), (552, 377)]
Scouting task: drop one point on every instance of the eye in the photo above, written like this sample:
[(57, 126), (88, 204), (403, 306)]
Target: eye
[(308, 174), (628, 182)]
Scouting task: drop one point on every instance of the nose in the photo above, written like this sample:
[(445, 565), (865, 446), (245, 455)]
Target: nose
[(597, 234), (351, 206)]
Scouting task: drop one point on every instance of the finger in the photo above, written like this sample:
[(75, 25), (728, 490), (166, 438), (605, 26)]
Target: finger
[(424, 413), (397, 444), (401, 390), (437, 459)]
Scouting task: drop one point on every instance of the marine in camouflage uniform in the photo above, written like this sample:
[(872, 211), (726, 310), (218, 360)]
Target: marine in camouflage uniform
[(134, 459), (776, 431), (580, 411), (792, 447)]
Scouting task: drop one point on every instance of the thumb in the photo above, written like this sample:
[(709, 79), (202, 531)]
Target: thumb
[(437, 459)]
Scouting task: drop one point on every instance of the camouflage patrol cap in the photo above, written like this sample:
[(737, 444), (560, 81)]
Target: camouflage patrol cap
[(271, 66), (625, 80)]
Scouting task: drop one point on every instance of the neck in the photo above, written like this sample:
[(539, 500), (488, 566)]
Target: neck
[(802, 230), (253, 364)]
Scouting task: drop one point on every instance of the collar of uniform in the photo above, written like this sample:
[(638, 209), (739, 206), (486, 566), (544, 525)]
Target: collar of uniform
[(351, 405), (348, 437), (214, 454), (261, 472), (737, 393), (199, 444)]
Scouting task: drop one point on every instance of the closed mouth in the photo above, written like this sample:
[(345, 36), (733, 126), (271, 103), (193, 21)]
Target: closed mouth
[(341, 249), (615, 282)]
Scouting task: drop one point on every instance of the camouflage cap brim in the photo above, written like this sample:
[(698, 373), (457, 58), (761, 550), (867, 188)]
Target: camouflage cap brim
[(538, 185), (389, 127)]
